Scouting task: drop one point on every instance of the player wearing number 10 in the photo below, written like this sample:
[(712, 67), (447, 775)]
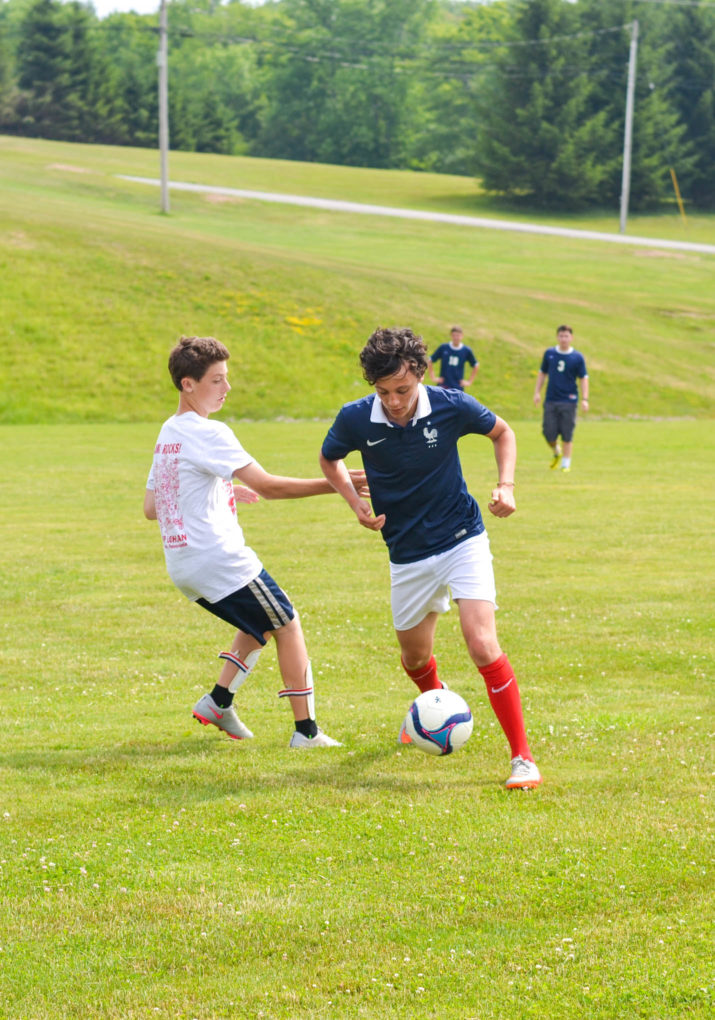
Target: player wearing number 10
[(407, 435), (562, 365), (453, 357)]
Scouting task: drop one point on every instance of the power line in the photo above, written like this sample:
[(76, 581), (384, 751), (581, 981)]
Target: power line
[(679, 3)]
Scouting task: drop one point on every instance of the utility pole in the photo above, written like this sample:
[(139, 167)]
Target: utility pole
[(162, 60), (628, 134)]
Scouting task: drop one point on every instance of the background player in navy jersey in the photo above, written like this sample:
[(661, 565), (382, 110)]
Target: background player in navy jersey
[(453, 357), (407, 435), (563, 366)]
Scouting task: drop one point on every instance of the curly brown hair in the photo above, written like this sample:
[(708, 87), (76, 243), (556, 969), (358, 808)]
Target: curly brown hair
[(193, 356), (387, 350)]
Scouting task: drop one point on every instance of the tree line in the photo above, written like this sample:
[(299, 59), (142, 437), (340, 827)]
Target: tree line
[(527, 95)]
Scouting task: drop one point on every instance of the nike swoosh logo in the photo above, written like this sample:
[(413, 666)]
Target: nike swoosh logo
[(374, 442), (496, 690), (219, 715)]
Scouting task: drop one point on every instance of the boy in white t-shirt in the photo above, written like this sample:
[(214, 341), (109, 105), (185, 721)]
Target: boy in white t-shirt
[(190, 492)]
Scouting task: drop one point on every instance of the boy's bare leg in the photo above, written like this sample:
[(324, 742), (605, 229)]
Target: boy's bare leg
[(416, 644), (242, 646), (293, 664)]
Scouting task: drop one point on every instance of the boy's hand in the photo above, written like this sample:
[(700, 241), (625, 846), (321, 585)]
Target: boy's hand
[(360, 482), (502, 502), (363, 512), (242, 494)]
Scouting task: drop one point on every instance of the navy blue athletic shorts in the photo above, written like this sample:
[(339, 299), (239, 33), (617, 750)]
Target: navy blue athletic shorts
[(255, 609)]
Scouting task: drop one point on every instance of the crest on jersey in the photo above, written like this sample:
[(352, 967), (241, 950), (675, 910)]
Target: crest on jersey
[(430, 435)]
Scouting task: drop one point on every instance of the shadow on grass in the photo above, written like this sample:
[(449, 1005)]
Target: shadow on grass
[(197, 770)]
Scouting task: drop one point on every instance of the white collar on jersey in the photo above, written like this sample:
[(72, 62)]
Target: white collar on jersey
[(424, 407)]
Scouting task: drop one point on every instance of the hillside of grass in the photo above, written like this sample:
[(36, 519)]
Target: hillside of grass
[(97, 286)]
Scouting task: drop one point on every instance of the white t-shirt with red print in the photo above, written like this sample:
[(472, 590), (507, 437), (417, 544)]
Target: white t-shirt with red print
[(206, 553)]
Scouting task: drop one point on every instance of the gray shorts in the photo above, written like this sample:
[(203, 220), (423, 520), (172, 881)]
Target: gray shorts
[(559, 420)]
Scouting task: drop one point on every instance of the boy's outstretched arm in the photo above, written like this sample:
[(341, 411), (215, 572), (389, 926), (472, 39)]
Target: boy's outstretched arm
[(343, 482), (286, 487)]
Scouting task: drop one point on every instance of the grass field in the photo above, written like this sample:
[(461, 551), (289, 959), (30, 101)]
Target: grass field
[(97, 286), (151, 868)]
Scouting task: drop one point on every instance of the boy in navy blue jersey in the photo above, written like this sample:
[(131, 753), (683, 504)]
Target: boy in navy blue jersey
[(564, 367), (452, 358), (407, 436)]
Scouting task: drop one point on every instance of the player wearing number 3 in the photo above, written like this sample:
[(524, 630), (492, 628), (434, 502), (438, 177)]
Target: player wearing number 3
[(563, 366), (407, 436)]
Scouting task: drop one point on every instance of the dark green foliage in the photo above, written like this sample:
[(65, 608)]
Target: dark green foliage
[(539, 138), (692, 52), (529, 95), (337, 85)]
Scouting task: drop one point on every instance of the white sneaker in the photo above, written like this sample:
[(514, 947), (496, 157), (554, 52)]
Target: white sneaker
[(524, 774), (209, 714), (319, 740)]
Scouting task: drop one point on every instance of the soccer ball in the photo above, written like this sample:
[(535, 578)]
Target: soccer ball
[(439, 722)]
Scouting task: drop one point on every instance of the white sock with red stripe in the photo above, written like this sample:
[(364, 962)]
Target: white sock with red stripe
[(243, 666)]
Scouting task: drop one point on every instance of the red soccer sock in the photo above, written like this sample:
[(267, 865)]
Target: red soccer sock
[(424, 676), (504, 696)]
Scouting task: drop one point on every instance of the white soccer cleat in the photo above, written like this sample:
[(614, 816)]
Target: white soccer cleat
[(319, 740), (208, 713), (524, 774)]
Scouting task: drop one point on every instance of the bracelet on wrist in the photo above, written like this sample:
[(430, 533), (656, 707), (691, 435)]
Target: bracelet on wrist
[(510, 484)]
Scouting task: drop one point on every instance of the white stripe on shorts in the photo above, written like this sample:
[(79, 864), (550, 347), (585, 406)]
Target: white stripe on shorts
[(424, 587), (273, 610)]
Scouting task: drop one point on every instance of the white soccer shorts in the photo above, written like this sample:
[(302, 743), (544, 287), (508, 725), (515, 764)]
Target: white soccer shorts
[(424, 586)]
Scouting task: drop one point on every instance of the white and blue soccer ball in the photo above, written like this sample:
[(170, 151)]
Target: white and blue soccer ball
[(439, 722)]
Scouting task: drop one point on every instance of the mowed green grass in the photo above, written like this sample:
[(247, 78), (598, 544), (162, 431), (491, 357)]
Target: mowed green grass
[(153, 868), (97, 286)]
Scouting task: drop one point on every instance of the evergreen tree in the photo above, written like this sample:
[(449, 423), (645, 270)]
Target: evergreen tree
[(692, 36), (43, 59), (657, 132), (539, 141), (7, 96)]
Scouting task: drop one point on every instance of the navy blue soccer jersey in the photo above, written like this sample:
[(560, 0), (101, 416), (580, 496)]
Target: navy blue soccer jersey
[(414, 473), (563, 369), (452, 363)]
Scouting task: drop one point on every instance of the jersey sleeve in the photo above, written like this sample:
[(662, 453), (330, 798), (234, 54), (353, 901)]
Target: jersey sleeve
[(581, 372), (475, 417), (339, 441), (221, 453), (545, 363), (437, 354), (471, 357), (150, 480)]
